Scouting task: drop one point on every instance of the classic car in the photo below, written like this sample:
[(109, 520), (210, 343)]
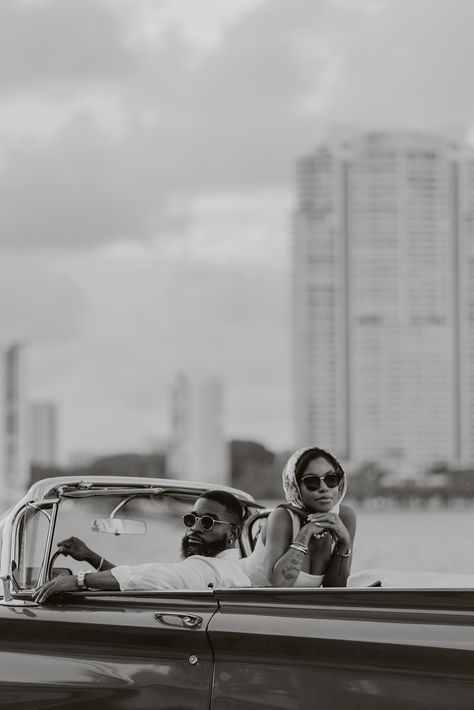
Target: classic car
[(370, 645)]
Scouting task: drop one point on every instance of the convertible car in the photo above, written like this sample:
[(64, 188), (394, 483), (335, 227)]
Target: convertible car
[(379, 643)]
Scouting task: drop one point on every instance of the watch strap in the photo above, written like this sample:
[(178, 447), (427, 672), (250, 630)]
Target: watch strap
[(81, 579)]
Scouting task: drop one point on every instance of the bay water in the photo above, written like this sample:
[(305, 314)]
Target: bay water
[(429, 540), (440, 540)]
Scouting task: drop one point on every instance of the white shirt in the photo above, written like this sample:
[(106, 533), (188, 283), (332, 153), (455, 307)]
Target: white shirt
[(195, 572)]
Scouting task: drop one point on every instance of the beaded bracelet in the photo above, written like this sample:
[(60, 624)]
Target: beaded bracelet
[(343, 554), (300, 547)]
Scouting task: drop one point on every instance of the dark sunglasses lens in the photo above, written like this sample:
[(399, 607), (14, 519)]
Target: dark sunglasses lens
[(207, 523), (189, 520), (332, 480), (312, 483)]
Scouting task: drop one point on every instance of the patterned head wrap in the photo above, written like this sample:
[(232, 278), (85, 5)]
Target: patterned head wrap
[(291, 485)]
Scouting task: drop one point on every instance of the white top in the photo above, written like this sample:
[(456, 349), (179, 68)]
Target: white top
[(195, 572)]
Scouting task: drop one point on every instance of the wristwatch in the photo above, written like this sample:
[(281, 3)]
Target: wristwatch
[(81, 579)]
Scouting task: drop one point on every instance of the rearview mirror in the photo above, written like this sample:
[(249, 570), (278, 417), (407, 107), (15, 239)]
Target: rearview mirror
[(119, 526)]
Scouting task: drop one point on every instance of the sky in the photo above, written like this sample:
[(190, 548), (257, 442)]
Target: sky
[(147, 152)]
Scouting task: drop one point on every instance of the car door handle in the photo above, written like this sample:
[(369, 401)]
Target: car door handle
[(187, 621)]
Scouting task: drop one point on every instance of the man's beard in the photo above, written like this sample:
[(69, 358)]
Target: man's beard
[(200, 547)]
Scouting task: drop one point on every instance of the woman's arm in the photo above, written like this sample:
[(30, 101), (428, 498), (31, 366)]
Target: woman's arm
[(282, 562), (339, 566)]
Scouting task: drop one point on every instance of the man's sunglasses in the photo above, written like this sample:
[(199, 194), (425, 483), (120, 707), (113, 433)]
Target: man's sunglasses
[(331, 479), (206, 522)]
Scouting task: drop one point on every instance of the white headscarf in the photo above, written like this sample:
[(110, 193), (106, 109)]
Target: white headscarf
[(290, 484)]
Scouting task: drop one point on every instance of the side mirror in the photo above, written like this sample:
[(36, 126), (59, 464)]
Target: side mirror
[(119, 526)]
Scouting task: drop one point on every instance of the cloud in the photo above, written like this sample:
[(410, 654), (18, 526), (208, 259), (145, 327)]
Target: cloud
[(37, 302), (408, 67), (46, 43), (79, 191), (174, 120)]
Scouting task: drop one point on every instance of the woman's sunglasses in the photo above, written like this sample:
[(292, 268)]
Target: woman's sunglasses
[(206, 522), (331, 479)]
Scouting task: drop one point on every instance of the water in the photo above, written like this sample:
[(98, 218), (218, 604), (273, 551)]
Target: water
[(429, 540), (440, 540)]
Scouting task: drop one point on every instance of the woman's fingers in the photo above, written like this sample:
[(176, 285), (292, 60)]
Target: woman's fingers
[(323, 517)]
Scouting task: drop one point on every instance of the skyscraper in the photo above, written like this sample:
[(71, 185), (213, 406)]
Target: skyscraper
[(383, 297), (14, 439), (198, 448), (43, 433)]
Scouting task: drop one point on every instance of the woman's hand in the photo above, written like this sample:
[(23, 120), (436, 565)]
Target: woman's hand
[(331, 523)]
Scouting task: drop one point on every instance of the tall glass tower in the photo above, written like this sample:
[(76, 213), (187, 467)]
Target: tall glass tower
[(383, 298)]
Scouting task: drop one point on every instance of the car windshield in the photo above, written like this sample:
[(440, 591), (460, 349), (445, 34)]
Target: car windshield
[(87, 518)]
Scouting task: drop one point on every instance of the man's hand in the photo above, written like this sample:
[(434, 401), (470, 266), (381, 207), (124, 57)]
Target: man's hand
[(64, 583), (76, 548)]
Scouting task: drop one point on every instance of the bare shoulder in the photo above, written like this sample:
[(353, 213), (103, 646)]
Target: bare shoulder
[(278, 525), (348, 516), (279, 516)]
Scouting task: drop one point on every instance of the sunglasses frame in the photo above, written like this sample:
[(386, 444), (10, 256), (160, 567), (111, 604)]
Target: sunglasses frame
[(198, 518), (323, 478)]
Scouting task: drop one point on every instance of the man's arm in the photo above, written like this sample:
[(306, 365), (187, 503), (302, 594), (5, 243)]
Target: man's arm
[(195, 573), (78, 549), (68, 583)]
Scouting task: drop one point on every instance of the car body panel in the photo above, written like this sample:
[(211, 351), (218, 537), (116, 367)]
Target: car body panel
[(359, 649), (108, 651)]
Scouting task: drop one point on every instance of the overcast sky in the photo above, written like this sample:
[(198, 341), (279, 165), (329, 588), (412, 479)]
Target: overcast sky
[(146, 186)]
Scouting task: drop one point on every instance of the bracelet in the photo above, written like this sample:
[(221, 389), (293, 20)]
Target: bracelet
[(300, 547), (343, 554), (100, 564)]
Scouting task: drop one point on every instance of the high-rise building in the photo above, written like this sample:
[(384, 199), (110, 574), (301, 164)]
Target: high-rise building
[(383, 296), (198, 448), (43, 433), (14, 439)]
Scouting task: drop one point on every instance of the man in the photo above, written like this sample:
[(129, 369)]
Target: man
[(214, 525)]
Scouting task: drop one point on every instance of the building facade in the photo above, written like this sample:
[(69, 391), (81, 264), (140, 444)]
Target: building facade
[(14, 429), (43, 433), (198, 449), (383, 298)]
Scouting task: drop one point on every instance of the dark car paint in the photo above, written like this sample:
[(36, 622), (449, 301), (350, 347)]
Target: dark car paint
[(362, 649), (107, 651), (256, 648)]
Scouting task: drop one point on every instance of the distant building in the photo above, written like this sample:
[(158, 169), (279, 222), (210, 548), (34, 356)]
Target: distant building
[(198, 450), (383, 296), (14, 434), (43, 433)]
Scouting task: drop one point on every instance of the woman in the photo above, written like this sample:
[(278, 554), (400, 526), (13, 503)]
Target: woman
[(307, 543)]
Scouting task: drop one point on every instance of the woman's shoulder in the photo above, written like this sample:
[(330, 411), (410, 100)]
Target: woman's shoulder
[(285, 510), (280, 517), (280, 513)]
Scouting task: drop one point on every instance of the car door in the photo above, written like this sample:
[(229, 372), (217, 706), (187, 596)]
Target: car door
[(108, 650), (362, 649)]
